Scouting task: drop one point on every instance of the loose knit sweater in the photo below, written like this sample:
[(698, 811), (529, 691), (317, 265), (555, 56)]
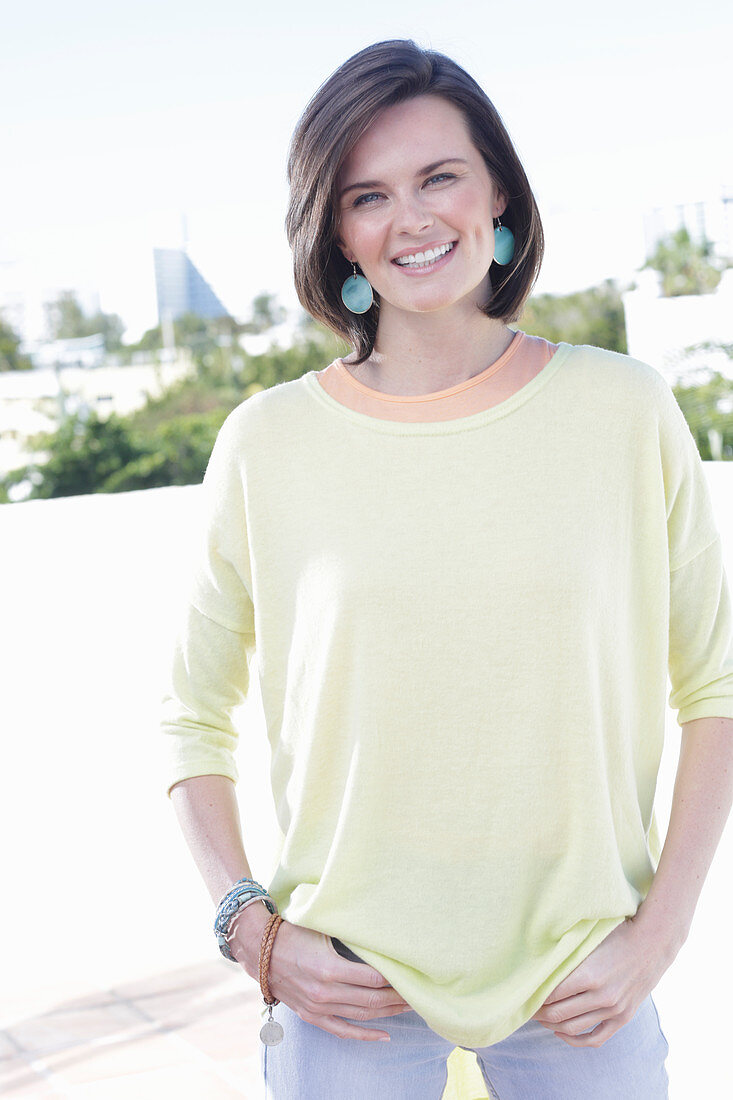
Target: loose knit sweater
[(464, 630)]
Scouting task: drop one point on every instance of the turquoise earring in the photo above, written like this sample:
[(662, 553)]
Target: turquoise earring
[(356, 293), (503, 244)]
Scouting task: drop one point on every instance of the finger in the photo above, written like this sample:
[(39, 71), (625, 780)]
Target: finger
[(595, 1038), (356, 973), (345, 1030), (581, 1023), (569, 987), (562, 1011), (366, 979), (385, 994), (360, 1014), (358, 997), (362, 974)]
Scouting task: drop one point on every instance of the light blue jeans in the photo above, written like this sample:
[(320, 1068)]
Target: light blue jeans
[(530, 1064)]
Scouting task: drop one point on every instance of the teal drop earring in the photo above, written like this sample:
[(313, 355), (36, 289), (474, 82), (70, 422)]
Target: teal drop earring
[(503, 244), (356, 293)]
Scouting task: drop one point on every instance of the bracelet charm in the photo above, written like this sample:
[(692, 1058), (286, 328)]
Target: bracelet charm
[(271, 1032)]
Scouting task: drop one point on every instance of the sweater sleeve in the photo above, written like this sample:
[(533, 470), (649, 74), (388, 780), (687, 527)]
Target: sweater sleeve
[(215, 642), (700, 611), (701, 638)]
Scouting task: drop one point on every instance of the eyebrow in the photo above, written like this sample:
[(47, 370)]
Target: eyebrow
[(420, 172)]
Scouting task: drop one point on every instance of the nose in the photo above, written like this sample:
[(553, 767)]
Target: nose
[(411, 216)]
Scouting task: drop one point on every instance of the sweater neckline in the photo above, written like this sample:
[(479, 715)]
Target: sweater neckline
[(435, 395), (443, 427)]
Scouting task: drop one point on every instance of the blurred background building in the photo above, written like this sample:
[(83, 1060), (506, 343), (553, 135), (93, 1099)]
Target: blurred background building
[(181, 288), (708, 219)]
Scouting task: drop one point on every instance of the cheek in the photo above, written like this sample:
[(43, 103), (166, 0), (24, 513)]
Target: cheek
[(368, 239), (474, 210)]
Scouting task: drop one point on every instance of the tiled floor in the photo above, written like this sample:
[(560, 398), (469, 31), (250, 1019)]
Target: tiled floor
[(192, 1033)]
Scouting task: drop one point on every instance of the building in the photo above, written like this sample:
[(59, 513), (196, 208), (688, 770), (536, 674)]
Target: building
[(708, 219), (79, 351), (33, 401), (181, 288)]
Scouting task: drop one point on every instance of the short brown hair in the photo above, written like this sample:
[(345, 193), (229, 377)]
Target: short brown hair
[(341, 110)]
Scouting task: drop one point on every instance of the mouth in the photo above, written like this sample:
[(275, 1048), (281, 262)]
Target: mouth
[(429, 260)]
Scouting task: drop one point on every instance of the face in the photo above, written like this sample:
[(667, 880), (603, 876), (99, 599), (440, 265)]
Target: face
[(422, 184)]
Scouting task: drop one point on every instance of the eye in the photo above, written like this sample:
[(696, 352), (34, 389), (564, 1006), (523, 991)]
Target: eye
[(362, 200)]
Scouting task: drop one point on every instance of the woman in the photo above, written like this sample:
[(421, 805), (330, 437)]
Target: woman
[(467, 559)]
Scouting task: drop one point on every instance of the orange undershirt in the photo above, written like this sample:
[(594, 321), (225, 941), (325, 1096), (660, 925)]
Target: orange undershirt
[(526, 356)]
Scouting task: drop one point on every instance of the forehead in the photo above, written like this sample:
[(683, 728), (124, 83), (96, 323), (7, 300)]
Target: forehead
[(421, 129)]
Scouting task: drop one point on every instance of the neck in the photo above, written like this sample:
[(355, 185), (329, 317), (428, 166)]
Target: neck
[(417, 353)]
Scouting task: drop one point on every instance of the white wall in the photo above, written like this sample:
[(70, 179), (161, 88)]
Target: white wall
[(659, 329)]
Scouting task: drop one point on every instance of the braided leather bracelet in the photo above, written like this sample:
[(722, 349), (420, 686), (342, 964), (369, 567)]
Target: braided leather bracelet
[(271, 1032)]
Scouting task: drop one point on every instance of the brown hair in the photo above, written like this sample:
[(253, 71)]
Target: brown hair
[(341, 110)]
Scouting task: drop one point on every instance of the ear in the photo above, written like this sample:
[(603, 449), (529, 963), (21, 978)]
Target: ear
[(500, 204), (344, 252)]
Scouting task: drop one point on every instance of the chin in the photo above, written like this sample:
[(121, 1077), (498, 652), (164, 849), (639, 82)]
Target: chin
[(434, 303), (422, 306)]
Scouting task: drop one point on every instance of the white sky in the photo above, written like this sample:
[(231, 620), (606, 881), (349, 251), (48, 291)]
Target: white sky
[(116, 121)]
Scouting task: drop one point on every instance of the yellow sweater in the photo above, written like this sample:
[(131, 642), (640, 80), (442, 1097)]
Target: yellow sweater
[(464, 630)]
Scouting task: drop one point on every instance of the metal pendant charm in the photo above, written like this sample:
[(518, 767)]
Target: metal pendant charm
[(271, 1032)]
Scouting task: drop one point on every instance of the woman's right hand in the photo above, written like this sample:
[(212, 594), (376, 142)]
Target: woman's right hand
[(308, 975)]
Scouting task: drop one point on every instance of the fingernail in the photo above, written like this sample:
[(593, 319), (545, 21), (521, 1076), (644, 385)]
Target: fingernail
[(384, 1038)]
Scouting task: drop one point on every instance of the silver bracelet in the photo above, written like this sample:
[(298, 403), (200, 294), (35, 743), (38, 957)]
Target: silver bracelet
[(234, 908)]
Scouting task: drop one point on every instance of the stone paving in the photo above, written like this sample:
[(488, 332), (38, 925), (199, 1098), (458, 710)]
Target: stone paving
[(192, 1033)]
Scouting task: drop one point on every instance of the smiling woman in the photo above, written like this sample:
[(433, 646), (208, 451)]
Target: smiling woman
[(425, 241), (463, 642), (368, 150)]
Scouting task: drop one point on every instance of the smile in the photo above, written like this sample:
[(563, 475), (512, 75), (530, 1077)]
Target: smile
[(426, 261)]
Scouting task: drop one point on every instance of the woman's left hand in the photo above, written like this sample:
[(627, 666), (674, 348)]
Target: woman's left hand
[(607, 988)]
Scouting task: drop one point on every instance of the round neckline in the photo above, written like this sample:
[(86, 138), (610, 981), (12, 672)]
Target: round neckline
[(442, 427), (434, 395)]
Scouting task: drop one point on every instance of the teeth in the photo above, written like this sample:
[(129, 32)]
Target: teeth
[(423, 259)]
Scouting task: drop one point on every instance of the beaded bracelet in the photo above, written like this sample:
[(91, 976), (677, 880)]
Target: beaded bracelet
[(243, 893)]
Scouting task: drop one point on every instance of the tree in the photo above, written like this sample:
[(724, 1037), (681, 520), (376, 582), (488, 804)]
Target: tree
[(708, 409), (10, 356), (594, 316), (80, 456), (175, 454), (111, 326), (266, 313), (90, 455), (192, 330), (151, 339), (686, 267), (66, 320)]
